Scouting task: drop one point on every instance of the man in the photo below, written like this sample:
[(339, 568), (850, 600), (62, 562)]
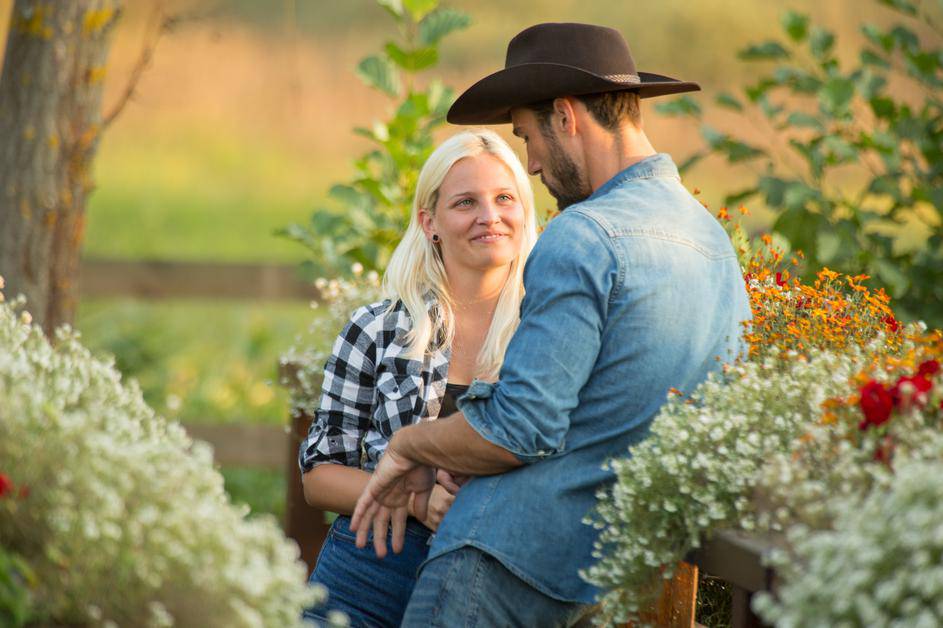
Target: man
[(632, 290)]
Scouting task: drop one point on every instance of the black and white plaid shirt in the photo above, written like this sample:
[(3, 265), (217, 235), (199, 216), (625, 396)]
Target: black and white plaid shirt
[(371, 389)]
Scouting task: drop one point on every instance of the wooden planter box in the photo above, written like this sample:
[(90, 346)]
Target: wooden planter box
[(738, 559)]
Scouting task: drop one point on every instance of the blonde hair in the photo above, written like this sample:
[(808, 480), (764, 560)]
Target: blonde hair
[(416, 272)]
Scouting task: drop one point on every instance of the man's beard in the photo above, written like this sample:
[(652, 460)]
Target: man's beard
[(569, 186)]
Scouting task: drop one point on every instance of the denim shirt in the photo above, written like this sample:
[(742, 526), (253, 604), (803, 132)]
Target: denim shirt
[(631, 292)]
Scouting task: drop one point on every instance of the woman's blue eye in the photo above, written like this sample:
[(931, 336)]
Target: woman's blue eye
[(464, 201), (505, 197)]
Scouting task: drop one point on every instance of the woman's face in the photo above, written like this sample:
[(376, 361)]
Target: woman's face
[(478, 215)]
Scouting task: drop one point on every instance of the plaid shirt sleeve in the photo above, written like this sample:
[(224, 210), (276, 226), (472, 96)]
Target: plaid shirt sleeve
[(344, 414)]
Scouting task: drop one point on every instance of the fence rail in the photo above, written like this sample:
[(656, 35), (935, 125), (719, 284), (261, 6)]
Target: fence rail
[(192, 280), (244, 444)]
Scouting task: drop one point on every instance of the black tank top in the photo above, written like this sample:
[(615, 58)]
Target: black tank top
[(452, 392)]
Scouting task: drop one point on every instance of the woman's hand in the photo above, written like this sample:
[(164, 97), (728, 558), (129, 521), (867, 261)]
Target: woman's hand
[(439, 503)]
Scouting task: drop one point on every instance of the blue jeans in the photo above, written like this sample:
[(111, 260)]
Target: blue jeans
[(371, 591), (467, 587)]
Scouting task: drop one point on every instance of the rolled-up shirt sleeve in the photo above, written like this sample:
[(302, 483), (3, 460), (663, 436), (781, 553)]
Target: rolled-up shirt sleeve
[(569, 280), (344, 413)]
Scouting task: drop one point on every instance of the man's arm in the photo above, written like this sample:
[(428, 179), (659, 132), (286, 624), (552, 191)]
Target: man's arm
[(453, 445)]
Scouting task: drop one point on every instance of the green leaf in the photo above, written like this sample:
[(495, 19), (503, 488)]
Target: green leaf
[(739, 197), (904, 6), (689, 163), (348, 196), (878, 37), (440, 23), (905, 38), (836, 95), (758, 90), (683, 106), (440, 98), (796, 25), (734, 150), (828, 244), (797, 195), (393, 7), (419, 8), (773, 190), (800, 226), (768, 50), (811, 153), (841, 150), (416, 106), (895, 280), (729, 101), (883, 107), (870, 85), (412, 60), (797, 79), (869, 57), (821, 43), (804, 120), (379, 73)]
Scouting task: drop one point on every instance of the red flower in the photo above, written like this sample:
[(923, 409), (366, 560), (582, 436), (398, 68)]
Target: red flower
[(876, 403), (928, 368), (910, 389), (6, 486), (891, 323), (780, 281)]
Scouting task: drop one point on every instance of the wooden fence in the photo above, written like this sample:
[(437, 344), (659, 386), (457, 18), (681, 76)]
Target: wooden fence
[(192, 280)]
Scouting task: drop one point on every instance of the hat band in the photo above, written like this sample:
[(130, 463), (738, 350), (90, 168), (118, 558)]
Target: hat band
[(622, 78)]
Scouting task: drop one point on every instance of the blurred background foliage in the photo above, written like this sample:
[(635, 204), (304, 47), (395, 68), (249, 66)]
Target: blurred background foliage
[(852, 162), (243, 123)]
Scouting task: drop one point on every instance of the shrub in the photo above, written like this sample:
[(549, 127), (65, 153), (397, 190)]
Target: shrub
[(118, 514)]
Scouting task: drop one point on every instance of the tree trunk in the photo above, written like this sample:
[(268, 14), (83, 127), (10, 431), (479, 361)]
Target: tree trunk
[(50, 118)]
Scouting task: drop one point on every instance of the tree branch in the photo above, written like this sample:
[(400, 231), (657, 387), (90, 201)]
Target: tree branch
[(158, 25)]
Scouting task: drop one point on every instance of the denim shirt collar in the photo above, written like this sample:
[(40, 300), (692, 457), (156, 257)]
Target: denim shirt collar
[(657, 165)]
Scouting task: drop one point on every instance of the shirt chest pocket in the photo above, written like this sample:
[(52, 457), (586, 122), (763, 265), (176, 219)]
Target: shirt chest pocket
[(399, 386)]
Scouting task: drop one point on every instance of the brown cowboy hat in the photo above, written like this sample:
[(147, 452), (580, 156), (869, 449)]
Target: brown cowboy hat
[(559, 59)]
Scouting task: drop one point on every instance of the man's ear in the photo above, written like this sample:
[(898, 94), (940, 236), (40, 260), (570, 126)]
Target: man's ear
[(564, 110)]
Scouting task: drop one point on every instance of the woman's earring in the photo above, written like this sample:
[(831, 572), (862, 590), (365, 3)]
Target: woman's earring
[(435, 238)]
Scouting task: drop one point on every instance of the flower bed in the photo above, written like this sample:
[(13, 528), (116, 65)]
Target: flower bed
[(111, 515), (834, 396)]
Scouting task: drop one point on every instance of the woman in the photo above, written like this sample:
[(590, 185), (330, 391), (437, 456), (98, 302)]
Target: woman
[(453, 290)]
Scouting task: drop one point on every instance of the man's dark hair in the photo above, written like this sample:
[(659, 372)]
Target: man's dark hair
[(609, 109)]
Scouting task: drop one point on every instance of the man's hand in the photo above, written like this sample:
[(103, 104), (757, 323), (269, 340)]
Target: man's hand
[(451, 481), (386, 498)]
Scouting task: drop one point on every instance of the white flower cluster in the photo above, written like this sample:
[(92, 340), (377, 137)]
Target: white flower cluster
[(880, 564), (126, 522), (752, 451), (303, 363), (698, 469)]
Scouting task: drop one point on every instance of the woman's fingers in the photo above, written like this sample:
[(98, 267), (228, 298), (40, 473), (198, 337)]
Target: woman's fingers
[(399, 529), (362, 519), (380, 525)]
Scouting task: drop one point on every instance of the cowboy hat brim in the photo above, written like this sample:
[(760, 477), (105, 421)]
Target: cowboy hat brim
[(490, 100)]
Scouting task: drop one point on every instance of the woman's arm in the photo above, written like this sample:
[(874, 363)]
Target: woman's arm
[(334, 487)]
